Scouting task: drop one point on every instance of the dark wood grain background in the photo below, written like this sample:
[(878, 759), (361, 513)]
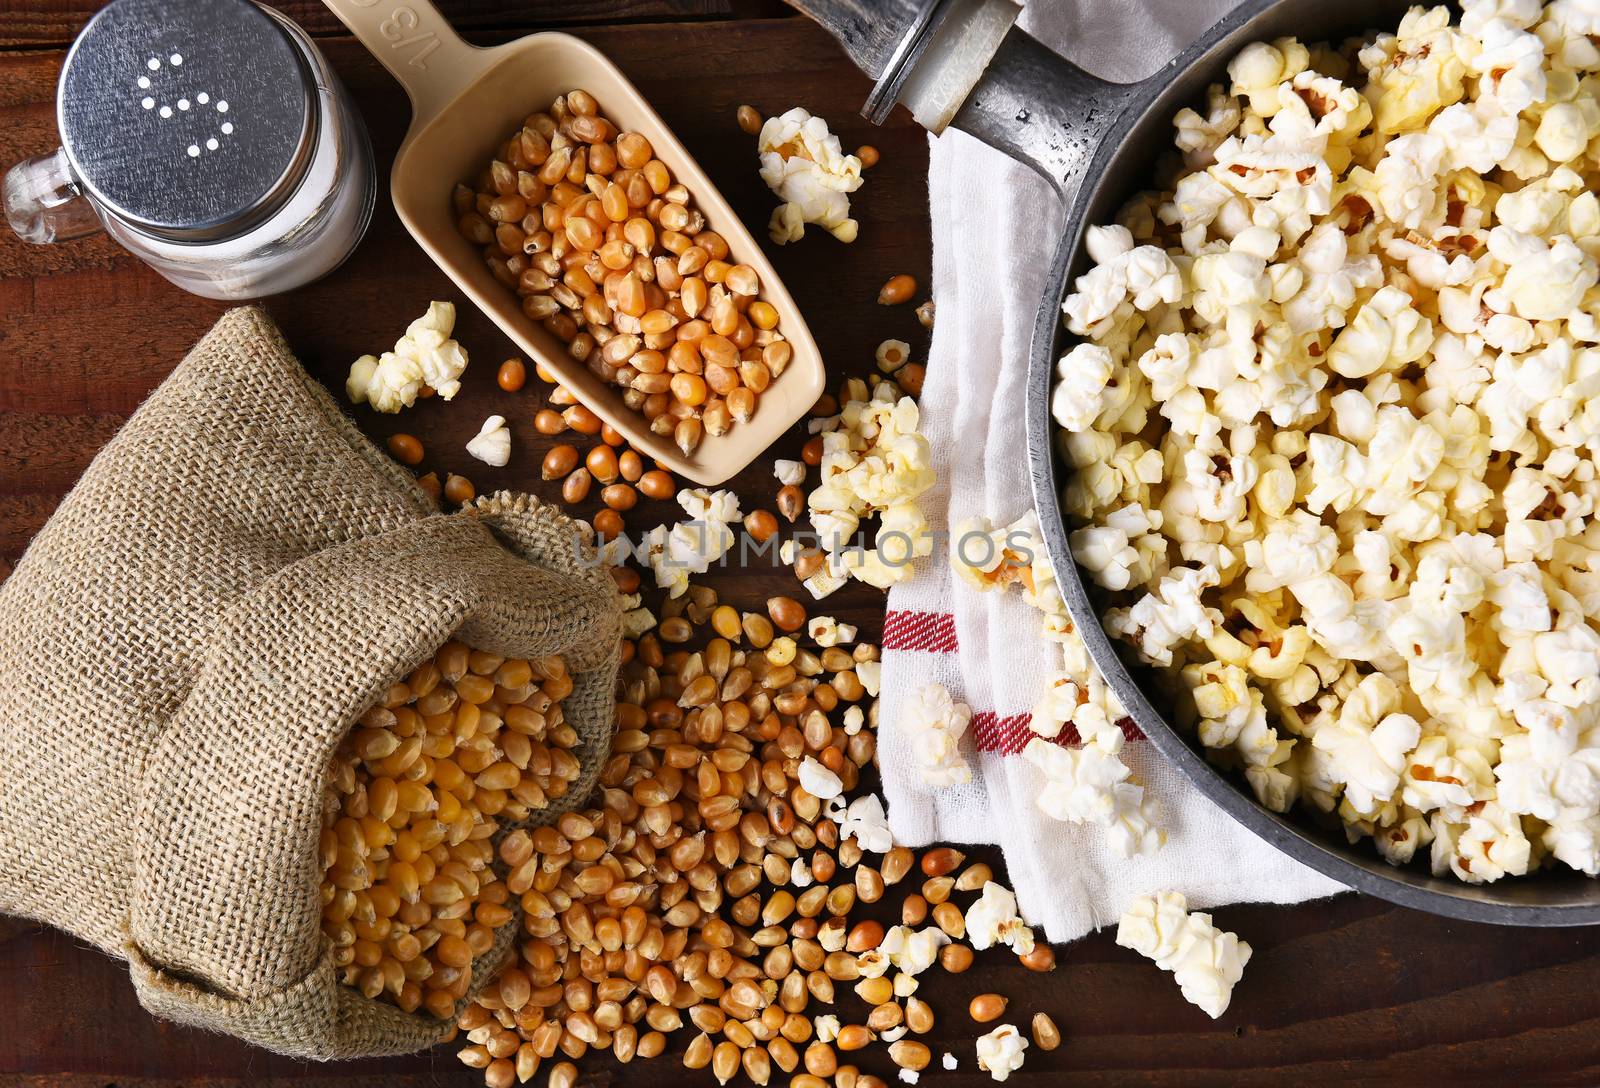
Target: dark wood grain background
[(1348, 991)]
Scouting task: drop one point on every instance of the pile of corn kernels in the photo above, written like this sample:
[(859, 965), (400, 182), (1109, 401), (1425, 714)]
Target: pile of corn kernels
[(607, 251), (710, 888), (1333, 420), (416, 793)]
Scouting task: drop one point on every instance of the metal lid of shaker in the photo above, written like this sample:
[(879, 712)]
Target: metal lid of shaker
[(188, 119)]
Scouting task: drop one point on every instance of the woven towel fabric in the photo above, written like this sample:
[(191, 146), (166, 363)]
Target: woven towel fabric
[(994, 223), (236, 578)]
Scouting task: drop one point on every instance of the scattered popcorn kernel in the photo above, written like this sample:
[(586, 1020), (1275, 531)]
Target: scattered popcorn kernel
[(691, 546), (892, 355), (1205, 961), (803, 165), (993, 920), (789, 473), (935, 723), (492, 444), (1000, 1051), (826, 631), (424, 356)]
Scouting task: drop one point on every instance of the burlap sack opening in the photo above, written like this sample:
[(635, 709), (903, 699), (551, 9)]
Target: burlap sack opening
[(237, 577)]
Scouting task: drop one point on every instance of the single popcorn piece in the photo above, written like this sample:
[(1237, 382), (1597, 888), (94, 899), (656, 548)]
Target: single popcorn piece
[(800, 873), (804, 166), (825, 582), (818, 781), (935, 724), (690, 547), (1000, 1051), (427, 340), (1085, 372), (949, 1061), (424, 356), (870, 673), (912, 951), (865, 821), (789, 473), (492, 445), (1091, 784), (1490, 845), (1205, 961), (1368, 743), (1125, 278), (854, 719), (892, 355), (993, 920), (826, 1026), (873, 963), (637, 621), (826, 631), (1153, 926), (831, 938), (1170, 614), (357, 386), (389, 382)]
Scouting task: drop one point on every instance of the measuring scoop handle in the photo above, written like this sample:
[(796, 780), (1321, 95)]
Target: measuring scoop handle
[(418, 46)]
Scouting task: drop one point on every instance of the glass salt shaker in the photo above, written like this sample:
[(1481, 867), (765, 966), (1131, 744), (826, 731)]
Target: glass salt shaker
[(211, 139)]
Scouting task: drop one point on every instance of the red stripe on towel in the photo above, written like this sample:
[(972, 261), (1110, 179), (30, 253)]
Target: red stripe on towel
[(1010, 735), (935, 632), (930, 632)]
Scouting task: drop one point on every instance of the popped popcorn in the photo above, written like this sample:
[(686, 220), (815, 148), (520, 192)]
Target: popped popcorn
[(1000, 1051), (865, 821), (936, 723), (912, 951), (1331, 411), (826, 631), (424, 356), (819, 781), (804, 166), (789, 473), (870, 673), (637, 621), (891, 355), (993, 920), (492, 444), (874, 462), (1205, 961), (1090, 784), (690, 547)]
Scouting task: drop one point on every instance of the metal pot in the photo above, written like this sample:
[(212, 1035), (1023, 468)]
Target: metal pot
[(961, 63)]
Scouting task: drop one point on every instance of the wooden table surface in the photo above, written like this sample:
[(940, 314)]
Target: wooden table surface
[(1349, 990)]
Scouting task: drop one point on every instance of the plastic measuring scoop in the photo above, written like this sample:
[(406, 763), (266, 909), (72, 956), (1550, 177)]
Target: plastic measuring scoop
[(465, 102)]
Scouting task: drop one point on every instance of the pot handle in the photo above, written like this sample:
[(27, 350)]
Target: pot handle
[(963, 63), (416, 43)]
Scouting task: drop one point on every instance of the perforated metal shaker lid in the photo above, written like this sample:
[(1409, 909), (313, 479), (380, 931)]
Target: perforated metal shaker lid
[(188, 119)]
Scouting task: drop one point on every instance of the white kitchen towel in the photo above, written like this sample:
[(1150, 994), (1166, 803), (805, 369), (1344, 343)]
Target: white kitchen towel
[(994, 227)]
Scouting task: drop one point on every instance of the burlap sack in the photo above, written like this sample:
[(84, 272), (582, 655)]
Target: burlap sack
[(238, 575)]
